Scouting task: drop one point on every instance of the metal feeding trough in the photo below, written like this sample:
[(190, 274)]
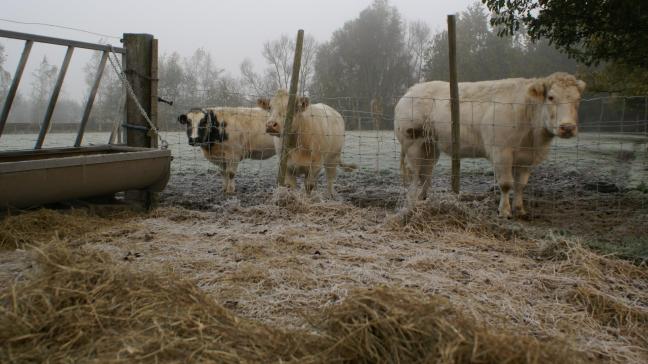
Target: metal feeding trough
[(34, 177)]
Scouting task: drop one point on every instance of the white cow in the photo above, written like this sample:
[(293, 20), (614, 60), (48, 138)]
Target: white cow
[(510, 122), (228, 135), (320, 139)]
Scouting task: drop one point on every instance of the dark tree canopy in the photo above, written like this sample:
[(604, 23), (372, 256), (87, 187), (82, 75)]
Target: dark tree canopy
[(591, 31), (366, 58), (482, 55)]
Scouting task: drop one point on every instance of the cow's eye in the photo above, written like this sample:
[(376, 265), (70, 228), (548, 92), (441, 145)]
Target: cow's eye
[(551, 98)]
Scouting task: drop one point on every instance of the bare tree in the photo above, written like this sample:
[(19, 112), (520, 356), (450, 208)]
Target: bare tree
[(279, 55), (42, 84), (106, 108), (419, 36), (229, 91), (257, 84), (171, 75), (5, 77), (366, 58), (201, 76), (309, 52)]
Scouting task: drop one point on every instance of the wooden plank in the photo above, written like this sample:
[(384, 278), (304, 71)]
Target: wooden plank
[(137, 68), (454, 103), (6, 108), (153, 115), (289, 139), (58, 41), (90, 102), (54, 98)]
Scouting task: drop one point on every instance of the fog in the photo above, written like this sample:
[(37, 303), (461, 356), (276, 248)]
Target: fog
[(230, 30)]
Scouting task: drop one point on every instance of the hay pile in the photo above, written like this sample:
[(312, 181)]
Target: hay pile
[(39, 226), (396, 326), (304, 280), (623, 307), (442, 213), (81, 306)]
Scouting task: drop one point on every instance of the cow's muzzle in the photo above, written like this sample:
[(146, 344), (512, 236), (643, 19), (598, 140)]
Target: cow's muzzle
[(567, 130), (272, 128)]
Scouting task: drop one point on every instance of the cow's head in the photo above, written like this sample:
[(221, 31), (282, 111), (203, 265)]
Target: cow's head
[(203, 127), (559, 96), (278, 108)]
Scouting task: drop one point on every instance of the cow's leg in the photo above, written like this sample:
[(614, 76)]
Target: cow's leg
[(521, 179), (421, 157), (291, 177), (331, 172), (503, 165), (229, 173), (223, 170), (310, 180)]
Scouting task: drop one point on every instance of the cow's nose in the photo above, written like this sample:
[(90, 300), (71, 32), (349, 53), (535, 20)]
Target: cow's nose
[(567, 129), (272, 126)]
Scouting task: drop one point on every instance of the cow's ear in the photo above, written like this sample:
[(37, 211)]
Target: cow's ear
[(538, 89), (302, 104), (581, 85), (263, 103), (182, 119)]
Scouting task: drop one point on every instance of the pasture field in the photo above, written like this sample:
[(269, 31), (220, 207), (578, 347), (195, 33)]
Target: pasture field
[(271, 275)]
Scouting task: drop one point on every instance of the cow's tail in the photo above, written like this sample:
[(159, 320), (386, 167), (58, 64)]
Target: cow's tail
[(347, 167)]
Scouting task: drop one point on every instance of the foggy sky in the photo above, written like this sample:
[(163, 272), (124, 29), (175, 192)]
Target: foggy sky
[(230, 30)]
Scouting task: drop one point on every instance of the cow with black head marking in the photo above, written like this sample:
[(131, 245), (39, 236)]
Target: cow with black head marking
[(227, 135)]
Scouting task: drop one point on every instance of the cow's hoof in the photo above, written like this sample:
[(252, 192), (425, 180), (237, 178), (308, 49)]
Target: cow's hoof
[(522, 215), (505, 215)]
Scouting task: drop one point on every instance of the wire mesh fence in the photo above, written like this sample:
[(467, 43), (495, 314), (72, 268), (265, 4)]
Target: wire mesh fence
[(602, 170)]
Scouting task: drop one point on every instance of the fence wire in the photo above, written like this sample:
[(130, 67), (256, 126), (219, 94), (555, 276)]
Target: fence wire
[(603, 170)]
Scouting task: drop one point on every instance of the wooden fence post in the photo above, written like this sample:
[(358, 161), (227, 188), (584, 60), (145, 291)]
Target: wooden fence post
[(153, 115), (454, 103), (289, 139), (139, 49), (140, 67)]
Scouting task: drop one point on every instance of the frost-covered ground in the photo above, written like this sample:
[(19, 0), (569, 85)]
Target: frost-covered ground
[(276, 256), (592, 178)]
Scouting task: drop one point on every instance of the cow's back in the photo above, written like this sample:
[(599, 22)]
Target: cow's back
[(487, 110), (246, 132), (321, 130)]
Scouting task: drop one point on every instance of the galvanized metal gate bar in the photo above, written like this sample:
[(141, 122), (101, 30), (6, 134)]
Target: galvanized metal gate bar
[(14, 84), (58, 41), (91, 97), (52, 102), (71, 44)]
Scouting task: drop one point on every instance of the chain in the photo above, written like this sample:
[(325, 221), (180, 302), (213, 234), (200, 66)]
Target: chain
[(153, 131)]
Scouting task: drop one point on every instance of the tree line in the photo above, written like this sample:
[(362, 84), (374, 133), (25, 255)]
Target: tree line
[(365, 66)]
